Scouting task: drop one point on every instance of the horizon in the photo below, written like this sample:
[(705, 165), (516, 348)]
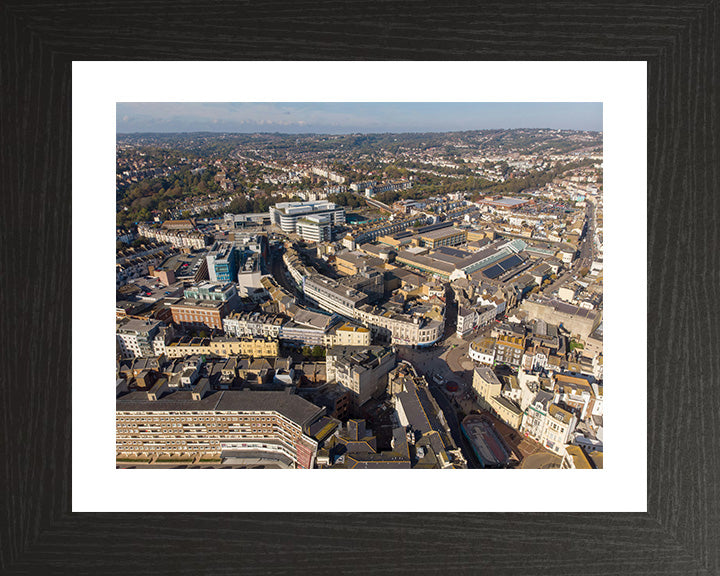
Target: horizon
[(347, 118), (345, 133)]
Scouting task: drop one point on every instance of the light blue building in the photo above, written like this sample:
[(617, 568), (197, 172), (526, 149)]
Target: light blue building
[(222, 263)]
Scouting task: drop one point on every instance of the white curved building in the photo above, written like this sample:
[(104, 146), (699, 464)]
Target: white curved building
[(285, 215)]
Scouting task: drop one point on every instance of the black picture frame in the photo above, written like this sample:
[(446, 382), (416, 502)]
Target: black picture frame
[(680, 533)]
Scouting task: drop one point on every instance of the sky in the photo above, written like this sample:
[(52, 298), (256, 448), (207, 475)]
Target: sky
[(353, 117)]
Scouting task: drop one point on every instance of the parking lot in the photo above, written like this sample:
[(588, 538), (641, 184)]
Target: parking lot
[(152, 290)]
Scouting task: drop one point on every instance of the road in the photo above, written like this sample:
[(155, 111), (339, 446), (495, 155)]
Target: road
[(552, 287), (454, 425), (279, 273), (448, 359), (585, 256)]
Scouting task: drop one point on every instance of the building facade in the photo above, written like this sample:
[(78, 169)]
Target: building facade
[(178, 238), (232, 423), (135, 338), (482, 351), (548, 423), (253, 324), (254, 347), (315, 228), (509, 350), (199, 313), (443, 237), (222, 263)]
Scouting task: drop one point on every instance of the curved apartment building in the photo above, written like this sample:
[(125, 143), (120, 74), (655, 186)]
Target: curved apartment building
[(232, 423), (331, 295)]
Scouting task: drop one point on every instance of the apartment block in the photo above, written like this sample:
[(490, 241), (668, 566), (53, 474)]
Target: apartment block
[(226, 424), (136, 337)]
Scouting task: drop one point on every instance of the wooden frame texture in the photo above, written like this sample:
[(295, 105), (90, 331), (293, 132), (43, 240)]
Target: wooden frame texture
[(680, 533)]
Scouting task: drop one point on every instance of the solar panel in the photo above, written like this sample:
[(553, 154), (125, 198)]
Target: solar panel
[(503, 266), (493, 272), (511, 262)]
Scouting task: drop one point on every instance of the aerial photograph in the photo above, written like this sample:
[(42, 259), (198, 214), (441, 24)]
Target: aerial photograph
[(359, 285)]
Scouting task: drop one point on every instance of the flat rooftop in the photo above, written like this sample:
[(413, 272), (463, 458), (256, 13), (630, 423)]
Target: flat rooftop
[(335, 287), (137, 325), (298, 208), (291, 406), (209, 304), (313, 319), (424, 262), (505, 201), (441, 233)]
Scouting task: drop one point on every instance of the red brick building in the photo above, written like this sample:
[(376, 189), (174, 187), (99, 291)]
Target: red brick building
[(199, 313)]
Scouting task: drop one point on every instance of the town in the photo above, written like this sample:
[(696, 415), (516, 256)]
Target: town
[(414, 300)]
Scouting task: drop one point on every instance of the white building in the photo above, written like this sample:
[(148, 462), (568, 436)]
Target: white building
[(348, 334), (135, 338), (179, 238), (253, 324), (285, 215), (566, 255), (466, 321), (471, 318), (482, 351), (548, 423), (315, 228)]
